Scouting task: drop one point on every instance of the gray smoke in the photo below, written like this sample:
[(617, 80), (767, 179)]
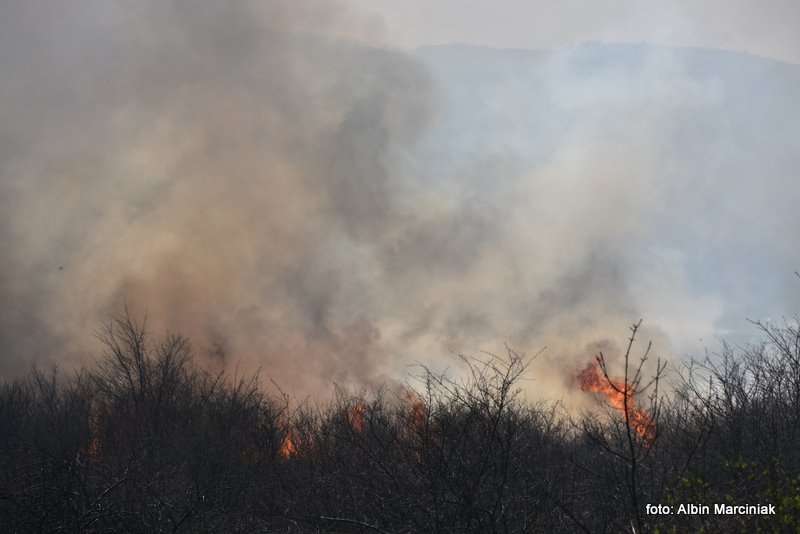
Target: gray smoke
[(266, 178), (219, 167)]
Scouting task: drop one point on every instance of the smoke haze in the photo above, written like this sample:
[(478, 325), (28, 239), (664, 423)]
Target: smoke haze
[(268, 179), (219, 167)]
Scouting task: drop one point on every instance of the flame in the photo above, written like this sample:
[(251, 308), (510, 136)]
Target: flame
[(418, 410), (93, 448), (292, 441), (288, 447), (355, 416), (591, 380)]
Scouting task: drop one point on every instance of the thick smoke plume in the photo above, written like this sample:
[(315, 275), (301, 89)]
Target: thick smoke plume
[(266, 179), (223, 168)]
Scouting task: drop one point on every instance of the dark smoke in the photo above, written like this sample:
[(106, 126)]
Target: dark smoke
[(267, 179)]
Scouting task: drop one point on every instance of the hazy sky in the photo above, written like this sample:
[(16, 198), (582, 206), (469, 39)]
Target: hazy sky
[(766, 28)]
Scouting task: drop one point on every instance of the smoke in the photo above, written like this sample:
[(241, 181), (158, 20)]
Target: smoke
[(738, 25), (625, 181), (220, 168), (268, 179)]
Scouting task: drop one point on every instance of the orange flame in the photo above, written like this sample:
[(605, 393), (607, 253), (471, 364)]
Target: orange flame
[(355, 416), (592, 380), (288, 448), (94, 445), (418, 411)]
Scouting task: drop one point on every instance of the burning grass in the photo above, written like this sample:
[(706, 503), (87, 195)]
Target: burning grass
[(147, 442), (621, 396)]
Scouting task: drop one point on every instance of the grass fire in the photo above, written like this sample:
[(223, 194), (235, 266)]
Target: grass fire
[(369, 266), (148, 437), (620, 396)]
